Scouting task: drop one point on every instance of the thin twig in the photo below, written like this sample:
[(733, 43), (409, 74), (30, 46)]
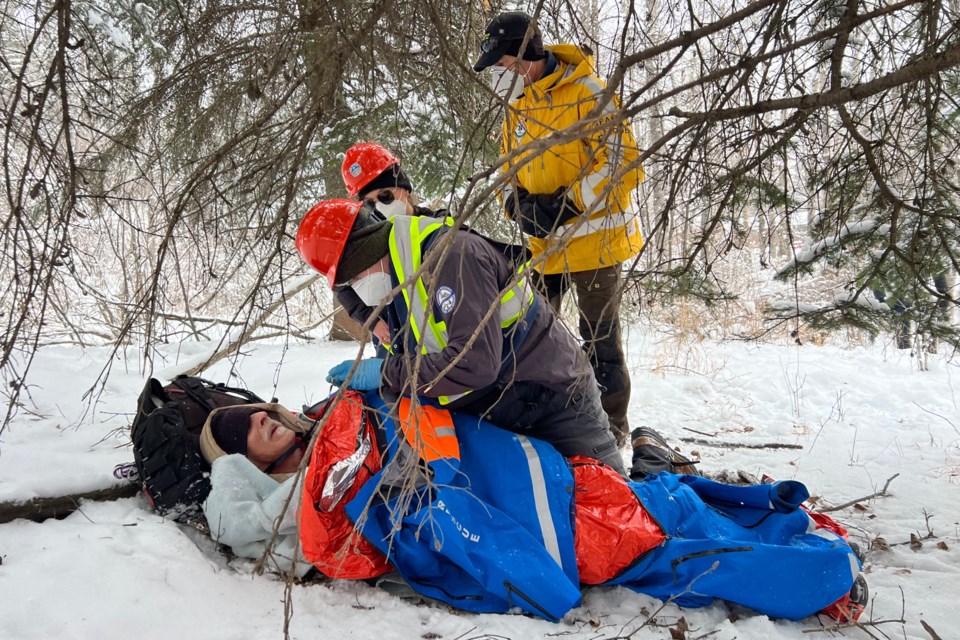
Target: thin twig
[(944, 418), (877, 494), (703, 433), (740, 445), (856, 625), (926, 627)]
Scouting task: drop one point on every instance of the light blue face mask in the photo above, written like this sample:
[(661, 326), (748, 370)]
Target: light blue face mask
[(373, 287)]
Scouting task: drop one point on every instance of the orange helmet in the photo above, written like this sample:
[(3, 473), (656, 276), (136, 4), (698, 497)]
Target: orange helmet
[(323, 234), (362, 163)]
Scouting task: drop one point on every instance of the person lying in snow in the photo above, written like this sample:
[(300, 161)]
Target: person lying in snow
[(486, 520)]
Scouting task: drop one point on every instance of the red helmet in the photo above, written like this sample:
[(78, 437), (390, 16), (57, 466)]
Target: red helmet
[(323, 234), (362, 163)]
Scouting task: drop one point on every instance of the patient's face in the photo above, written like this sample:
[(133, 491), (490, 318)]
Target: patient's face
[(267, 439)]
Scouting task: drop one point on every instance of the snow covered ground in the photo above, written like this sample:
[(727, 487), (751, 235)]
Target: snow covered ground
[(853, 417)]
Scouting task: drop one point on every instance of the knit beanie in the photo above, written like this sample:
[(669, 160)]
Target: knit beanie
[(392, 176), (365, 246), (230, 427)]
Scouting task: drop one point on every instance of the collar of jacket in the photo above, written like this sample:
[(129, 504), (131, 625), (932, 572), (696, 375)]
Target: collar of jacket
[(567, 55), (420, 210)]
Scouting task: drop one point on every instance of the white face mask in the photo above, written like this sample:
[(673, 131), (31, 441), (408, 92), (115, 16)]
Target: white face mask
[(395, 208), (373, 287), (501, 80)]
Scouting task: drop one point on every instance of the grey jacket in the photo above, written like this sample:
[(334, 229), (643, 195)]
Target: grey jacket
[(470, 279)]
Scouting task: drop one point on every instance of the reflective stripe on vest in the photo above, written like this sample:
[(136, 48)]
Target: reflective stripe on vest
[(577, 228), (407, 238)]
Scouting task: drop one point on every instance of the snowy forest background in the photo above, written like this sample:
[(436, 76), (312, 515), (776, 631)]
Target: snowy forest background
[(157, 158)]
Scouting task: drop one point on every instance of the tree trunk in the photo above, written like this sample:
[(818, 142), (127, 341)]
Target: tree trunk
[(346, 328)]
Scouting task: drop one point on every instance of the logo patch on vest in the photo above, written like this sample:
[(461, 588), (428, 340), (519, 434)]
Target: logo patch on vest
[(520, 130), (355, 169), (446, 299)]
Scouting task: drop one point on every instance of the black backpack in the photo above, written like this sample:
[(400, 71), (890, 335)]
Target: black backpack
[(166, 442)]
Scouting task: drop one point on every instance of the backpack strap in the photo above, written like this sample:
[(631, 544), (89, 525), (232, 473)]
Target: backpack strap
[(197, 387)]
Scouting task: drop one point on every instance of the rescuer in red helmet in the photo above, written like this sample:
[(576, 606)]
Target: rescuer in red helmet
[(468, 328), (372, 174)]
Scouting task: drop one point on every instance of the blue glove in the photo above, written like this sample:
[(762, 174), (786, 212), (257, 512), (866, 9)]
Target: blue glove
[(365, 378)]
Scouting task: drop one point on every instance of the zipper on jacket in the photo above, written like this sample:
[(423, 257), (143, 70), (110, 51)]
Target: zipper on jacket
[(703, 554), (512, 589), (445, 592)]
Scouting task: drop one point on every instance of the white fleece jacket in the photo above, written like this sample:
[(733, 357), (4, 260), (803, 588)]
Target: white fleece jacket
[(243, 505)]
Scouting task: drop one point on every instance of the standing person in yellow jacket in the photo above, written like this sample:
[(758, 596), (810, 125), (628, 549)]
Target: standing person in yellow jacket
[(573, 199)]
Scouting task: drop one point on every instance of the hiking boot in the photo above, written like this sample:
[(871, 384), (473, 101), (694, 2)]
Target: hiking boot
[(859, 592), (652, 454), (851, 606)]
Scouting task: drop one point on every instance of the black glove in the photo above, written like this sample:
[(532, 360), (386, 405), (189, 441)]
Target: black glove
[(512, 200), (540, 215)]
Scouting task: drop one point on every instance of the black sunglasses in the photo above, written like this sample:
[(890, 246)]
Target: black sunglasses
[(367, 216), (384, 197)]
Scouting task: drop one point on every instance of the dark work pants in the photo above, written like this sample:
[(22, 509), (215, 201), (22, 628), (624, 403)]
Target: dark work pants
[(598, 300), (574, 423)]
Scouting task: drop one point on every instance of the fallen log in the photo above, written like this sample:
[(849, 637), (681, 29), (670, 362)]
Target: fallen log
[(40, 509)]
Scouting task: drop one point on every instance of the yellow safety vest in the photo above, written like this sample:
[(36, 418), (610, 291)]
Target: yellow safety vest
[(407, 238)]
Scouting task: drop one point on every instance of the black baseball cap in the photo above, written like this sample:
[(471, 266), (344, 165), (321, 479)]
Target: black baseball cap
[(504, 35)]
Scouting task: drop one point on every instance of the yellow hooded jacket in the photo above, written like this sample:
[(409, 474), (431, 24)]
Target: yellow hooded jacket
[(585, 166)]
